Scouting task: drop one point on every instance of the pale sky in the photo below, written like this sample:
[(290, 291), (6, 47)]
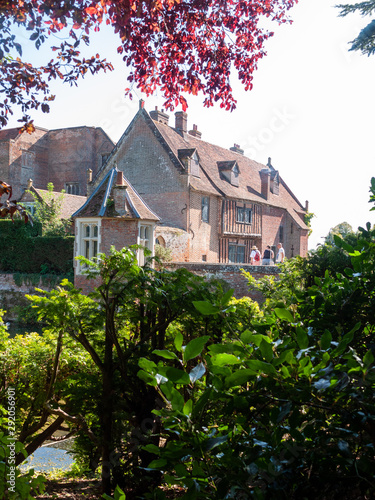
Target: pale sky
[(311, 110)]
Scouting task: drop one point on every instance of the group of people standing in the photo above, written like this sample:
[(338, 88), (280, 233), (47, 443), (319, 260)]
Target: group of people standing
[(268, 256)]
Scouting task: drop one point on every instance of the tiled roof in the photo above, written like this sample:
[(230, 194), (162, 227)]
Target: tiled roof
[(211, 157), (70, 202), (10, 133), (98, 205), (226, 165)]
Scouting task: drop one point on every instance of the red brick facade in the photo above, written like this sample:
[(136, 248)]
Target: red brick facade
[(59, 156), (113, 232), (214, 204)]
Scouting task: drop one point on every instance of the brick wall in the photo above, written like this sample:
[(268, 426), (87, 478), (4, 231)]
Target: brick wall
[(56, 156), (272, 219), (204, 243), (231, 274), (12, 295), (72, 151), (148, 167), (113, 232), (176, 240), (34, 164), (4, 160), (118, 232)]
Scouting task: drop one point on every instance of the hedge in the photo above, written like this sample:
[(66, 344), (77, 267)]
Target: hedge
[(24, 250)]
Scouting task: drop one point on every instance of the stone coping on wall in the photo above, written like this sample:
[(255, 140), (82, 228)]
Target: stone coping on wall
[(231, 274), (222, 267)]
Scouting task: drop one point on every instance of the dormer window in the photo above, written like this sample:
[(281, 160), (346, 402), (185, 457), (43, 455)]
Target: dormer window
[(229, 171), (194, 165), (275, 182), (190, 159)]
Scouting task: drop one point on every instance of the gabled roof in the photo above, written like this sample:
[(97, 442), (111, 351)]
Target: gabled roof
[(101, 204), (14, 133), (70, 203), (186, 153), (179, 146), (9, 134), (226, 165), (210, 180)]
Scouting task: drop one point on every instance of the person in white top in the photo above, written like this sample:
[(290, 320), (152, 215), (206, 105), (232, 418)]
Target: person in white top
[(255, 256), (280, 253)]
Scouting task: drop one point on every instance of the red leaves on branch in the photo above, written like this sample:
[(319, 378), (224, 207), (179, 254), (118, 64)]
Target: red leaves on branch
[(10, 208), (5, 189), (177, 46)]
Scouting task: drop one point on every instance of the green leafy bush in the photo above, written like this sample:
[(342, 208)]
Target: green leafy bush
[(268, 415), (25, 251)]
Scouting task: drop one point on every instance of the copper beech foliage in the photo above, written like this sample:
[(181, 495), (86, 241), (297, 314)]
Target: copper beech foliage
[(10, 207), (178, 46)]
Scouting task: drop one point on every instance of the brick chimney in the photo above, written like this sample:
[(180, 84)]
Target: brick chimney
[(119, 194), (181, 122), (307, 206), (159, 116), (29, 183), (195, 132), (236, 148), (265, 182)]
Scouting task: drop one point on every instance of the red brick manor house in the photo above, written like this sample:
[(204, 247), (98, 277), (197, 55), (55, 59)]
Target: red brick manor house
[(160, 183)]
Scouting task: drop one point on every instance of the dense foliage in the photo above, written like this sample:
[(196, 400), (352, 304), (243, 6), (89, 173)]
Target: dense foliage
[(133, 311), (284, 406), (48, 212), (25, 251), (187, 46), (365, 41), (168, 383)]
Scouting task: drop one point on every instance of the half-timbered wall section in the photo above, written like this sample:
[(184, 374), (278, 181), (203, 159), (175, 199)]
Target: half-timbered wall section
[(235, 250), (241, 218), (214, 204)]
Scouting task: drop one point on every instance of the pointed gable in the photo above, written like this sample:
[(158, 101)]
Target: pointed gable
[(116, 197), (229, 170)]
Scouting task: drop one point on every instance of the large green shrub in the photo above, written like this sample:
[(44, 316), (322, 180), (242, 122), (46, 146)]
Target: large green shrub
[(24, 250)]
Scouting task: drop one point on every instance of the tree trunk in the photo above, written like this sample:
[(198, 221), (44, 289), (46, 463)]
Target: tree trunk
[(107, 408), (39, 439)]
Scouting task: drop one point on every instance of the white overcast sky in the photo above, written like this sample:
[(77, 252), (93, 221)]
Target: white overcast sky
[(312, 110)]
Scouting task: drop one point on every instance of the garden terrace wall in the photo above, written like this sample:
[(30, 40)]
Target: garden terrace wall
[(12, 295), (231, 274)]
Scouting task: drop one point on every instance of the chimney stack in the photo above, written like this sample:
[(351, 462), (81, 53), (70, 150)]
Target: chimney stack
[(120, 181), (29, 183), (307, 206), (236, 148), (265, 182), (159, 116), (119, 194), (195, 132), (181, 122)]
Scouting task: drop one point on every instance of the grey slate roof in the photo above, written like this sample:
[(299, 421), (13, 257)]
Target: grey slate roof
[(97, 204)]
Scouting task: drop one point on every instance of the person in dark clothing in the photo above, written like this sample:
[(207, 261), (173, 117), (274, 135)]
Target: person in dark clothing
[(268, 257)]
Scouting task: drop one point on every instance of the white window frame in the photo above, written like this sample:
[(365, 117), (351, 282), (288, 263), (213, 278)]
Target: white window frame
[(82, 238), (141, 240), (30, 206)]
